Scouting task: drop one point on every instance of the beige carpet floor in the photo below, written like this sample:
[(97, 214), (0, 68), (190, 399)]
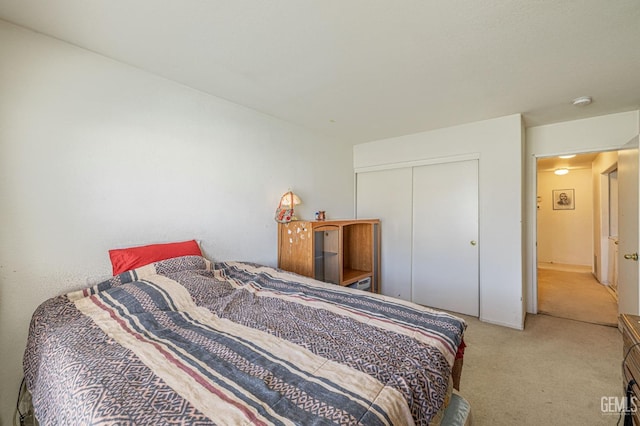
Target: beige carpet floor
[(554, 372), (575, 294)]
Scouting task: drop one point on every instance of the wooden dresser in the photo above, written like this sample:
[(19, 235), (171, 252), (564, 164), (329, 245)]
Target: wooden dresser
[(343, 252), (631, 368)]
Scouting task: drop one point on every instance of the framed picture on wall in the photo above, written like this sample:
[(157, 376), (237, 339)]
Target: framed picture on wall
[(564, 199)]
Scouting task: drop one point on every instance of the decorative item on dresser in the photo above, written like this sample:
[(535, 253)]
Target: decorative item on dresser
[(344, 252), (285, 212), (631, 366)]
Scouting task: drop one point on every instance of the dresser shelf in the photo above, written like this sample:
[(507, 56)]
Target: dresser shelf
[(343, 252)]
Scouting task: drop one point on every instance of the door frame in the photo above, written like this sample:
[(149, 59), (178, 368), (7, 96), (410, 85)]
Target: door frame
[(532, 290), (605, 196)]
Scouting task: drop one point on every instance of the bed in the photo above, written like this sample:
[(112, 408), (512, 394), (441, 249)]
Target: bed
[(189, 341)]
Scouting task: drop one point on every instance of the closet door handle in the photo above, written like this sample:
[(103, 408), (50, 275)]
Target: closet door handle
[(473, 242), (633, 256)]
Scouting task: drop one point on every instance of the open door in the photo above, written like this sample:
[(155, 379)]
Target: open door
[(628, 293)]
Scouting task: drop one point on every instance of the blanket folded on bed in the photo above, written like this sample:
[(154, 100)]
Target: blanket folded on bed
[(188, 341)]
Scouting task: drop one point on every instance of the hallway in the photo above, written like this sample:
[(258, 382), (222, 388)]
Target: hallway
[(572, 292)]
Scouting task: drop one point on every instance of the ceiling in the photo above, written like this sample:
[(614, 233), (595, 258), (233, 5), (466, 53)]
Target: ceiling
[(580, 161), (362, 70)]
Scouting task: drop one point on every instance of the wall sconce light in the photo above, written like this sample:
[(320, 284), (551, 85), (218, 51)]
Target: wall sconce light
[(561, 172)]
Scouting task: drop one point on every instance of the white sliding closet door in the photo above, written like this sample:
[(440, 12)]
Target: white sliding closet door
[(445, 236), (386, 195)]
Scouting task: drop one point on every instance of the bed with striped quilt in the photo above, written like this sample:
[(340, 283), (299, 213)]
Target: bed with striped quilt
[(188, 341)]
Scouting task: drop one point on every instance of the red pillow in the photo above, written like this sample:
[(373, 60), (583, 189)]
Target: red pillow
[(134, 257)]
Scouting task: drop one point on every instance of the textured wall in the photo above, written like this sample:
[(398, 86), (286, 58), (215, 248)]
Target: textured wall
[(95, 154)]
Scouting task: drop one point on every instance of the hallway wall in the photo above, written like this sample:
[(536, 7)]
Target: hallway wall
[(566, 236)]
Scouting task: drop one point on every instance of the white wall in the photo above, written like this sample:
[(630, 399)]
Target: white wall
[(95, 154), (566, 236), (603, 133), (498, 144), (604, 163)]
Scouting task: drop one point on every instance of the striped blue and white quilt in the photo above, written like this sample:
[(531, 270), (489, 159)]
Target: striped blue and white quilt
[(185, 341)]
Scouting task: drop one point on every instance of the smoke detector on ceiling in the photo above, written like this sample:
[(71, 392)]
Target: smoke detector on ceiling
[(582, 101)]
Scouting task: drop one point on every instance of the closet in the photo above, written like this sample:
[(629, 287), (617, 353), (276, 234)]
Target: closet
[(429, 222)]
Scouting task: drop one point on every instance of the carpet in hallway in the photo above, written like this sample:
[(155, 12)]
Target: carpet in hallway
[(575, 295)]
